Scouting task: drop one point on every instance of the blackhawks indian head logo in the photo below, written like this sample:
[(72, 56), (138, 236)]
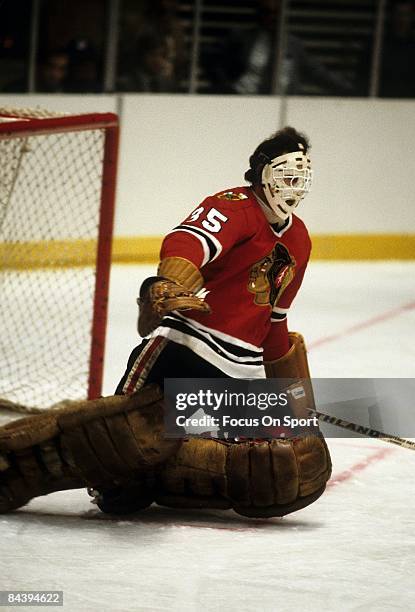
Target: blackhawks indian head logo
[(231, 196), (270, 276)]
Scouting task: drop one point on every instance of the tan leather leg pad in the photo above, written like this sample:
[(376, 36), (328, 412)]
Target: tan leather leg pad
[(99, 443), (269, 478)]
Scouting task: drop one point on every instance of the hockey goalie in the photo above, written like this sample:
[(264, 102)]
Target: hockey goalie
[(217, 308)]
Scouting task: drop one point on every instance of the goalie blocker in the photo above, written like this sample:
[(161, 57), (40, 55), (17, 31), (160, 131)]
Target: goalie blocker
[(116, 445)]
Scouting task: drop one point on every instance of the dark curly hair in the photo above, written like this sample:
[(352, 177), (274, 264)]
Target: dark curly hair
[(284, 141)]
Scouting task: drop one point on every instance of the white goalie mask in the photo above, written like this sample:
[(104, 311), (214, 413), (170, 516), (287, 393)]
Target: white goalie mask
[(285, 180)]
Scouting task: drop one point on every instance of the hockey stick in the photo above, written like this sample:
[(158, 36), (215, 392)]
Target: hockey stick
[(322, 416), (361, 429)]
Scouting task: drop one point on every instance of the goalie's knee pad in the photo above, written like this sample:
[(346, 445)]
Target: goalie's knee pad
[(294, 364), (99, 443), (256, 479)]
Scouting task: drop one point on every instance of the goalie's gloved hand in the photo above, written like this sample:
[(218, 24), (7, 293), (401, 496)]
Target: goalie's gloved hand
[(166, 295), (162, 296), (176, 287)]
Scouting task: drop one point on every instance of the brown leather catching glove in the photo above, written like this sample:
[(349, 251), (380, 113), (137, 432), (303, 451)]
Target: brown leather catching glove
[(166, 295), (174, 288)]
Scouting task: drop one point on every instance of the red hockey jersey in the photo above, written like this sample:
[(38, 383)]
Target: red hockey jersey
[(252, 272)]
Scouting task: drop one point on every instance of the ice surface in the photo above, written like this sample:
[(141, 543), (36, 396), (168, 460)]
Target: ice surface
[(354, 549)]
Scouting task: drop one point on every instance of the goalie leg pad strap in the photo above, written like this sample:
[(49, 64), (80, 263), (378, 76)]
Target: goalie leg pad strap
[(103, 442)]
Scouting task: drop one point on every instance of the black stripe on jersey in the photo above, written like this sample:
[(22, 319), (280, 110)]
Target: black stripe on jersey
[(237, 351), (210, 244), (278, 316)]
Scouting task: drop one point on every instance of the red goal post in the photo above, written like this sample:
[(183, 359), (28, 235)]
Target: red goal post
[(57, 194)]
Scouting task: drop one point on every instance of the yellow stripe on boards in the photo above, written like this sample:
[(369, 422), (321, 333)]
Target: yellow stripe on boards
[(142, 249), (146, 249), (325, 247), (47, 254), (363, 246)]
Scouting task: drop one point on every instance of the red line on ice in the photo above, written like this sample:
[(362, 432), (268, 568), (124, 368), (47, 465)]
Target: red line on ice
[(390, 314), (382, 453)]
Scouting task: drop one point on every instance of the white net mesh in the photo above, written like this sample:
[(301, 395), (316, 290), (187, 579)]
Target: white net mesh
[(10, 113), (50, 194)]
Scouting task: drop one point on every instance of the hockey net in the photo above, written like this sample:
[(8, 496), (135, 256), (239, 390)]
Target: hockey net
[(57, 185)]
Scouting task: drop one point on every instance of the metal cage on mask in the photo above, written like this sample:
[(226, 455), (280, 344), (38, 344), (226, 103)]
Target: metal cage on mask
[(285, 180)]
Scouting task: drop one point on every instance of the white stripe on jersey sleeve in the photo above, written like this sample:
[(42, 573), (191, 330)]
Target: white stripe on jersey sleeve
[(279, 310), (200, 235), (278, 314), (206, 252)]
